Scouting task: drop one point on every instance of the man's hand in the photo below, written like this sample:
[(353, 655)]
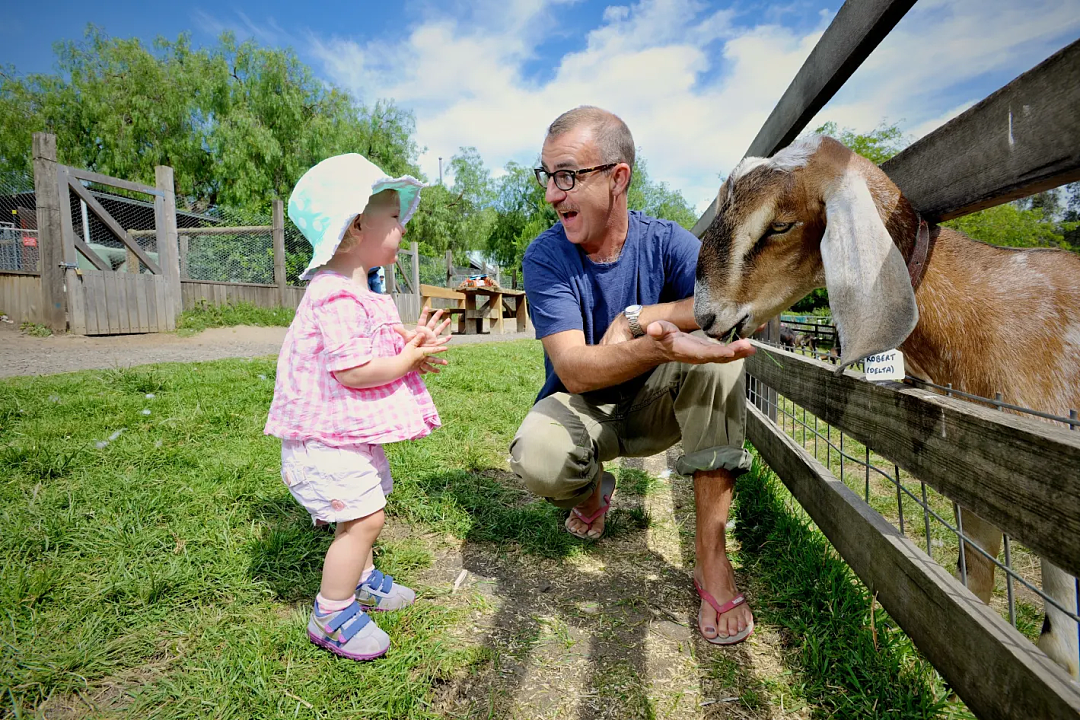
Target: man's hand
[(618, 331), (679, 346)]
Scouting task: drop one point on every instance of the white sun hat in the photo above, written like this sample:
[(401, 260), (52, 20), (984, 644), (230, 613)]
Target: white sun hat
[(330, 195)]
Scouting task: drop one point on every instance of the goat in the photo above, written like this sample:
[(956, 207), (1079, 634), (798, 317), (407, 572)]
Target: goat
[(792, 340), (986, 319)]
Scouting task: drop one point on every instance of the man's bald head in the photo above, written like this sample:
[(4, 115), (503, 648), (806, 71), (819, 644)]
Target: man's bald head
[(609, 132)]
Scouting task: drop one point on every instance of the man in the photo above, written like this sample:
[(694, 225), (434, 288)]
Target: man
[(611, 296)]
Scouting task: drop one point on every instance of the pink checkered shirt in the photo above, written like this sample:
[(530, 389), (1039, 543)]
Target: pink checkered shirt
[(340, 326)]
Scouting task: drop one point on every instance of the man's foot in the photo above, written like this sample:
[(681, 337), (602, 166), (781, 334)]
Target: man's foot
[(724, 618), (586, 521)]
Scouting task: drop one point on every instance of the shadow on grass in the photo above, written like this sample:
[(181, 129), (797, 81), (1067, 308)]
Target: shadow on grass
[(605, 618), (289, 555), (846, 668)]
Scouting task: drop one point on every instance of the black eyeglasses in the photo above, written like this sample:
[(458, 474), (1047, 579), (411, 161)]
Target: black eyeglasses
[(566, 179)]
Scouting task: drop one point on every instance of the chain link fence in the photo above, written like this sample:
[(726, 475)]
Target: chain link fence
[(18, 225), (133, 211)]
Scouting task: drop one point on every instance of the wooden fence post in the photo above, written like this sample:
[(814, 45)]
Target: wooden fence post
[(278, 222), (167, 245), (50, 243), (414, 248), (391, 278)]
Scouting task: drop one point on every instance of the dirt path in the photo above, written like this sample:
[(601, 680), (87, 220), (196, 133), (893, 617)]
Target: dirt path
[(611, 634), (22, 354)]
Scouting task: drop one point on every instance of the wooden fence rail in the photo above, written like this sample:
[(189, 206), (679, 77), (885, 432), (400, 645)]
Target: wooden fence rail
[(1021, 140), (1020, 473), (995, 669), (857, 29)]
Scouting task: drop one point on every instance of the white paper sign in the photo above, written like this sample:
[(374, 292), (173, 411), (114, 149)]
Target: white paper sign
[(888, 365)]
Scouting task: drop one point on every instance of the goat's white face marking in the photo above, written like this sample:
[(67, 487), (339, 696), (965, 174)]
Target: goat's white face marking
[(785, 225), (759, 230)]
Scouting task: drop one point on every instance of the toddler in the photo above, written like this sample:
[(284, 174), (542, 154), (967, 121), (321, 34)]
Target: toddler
[(348, 381)]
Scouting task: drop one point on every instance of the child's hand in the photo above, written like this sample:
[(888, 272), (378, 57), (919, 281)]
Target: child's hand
[(429, 329), (419, 357)]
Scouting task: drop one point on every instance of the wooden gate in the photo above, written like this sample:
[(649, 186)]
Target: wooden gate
[(100, 300)]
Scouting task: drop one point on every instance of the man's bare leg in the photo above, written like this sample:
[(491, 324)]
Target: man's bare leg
[(587, 508), (713, 491)]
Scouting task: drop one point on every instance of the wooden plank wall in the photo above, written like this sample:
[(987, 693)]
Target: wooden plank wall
[(20, 297), (269, 296), (194, 292), (125, 303), (408, 307)]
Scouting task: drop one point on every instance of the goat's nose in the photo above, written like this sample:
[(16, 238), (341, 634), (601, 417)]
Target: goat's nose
[(705, 319)]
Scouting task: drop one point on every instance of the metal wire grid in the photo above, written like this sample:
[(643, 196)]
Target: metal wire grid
[(885, 488), (18, 225), (432, 270), (242, 257), (132, 211)]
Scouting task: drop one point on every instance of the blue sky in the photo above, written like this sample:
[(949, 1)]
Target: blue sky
[(694, 80)]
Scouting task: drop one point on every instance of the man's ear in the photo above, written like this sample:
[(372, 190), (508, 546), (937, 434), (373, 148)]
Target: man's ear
[(621, 175)]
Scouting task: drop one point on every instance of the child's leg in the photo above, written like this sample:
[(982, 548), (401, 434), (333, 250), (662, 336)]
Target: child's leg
[(349, 555)]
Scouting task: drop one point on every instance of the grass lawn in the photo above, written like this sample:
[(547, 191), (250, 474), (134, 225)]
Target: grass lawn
[(152, 564), (206, 315)]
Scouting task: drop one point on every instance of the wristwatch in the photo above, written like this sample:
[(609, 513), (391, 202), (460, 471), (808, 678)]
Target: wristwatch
[(632, 314)]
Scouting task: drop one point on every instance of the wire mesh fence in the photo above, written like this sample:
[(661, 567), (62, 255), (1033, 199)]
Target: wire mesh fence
[(18, 225), (134, 212), (922, 514), (208, 253), (432, 270)]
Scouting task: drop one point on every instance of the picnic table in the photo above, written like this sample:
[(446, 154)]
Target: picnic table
[(475, 318)]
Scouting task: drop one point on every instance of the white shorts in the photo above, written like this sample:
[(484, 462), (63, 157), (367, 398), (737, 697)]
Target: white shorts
[(336, 484)]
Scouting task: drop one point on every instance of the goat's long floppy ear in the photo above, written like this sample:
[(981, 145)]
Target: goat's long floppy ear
[(869, 287)]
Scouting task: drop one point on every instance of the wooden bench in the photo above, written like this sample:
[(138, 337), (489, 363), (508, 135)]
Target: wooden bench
[(520, 311), (428, 292)]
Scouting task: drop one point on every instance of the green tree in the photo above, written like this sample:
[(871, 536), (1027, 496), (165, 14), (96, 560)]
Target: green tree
[(460, 217), (878, 145), (238, 123), (657, 199), (521, 213), (1012, 226)]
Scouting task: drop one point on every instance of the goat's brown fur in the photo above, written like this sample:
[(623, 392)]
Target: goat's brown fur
[(990, 319)]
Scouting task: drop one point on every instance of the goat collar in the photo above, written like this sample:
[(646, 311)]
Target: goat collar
[(917, 263)]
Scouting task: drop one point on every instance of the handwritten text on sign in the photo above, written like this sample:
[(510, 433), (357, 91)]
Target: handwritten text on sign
[(888, 365)]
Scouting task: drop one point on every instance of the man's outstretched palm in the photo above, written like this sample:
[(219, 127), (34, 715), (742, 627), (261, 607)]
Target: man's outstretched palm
[(684, 347)]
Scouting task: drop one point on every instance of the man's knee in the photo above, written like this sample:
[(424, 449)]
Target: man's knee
[(547, 458), (715, 380)]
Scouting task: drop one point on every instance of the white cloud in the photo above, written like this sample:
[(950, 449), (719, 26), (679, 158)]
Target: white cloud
[(242, 26), (694, 85)]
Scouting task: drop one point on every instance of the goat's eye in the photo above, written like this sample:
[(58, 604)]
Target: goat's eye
[(779, 228)]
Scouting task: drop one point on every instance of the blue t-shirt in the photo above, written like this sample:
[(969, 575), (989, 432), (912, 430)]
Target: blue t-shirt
[(568, 291)]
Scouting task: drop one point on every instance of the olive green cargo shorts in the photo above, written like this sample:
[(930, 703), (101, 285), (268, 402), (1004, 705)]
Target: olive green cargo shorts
[(558, 449)]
